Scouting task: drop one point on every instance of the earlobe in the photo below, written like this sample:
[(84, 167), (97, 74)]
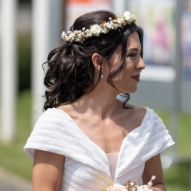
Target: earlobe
[(97, 61)]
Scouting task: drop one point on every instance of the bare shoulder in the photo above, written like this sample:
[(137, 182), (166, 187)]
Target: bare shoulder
[(137, 109), (135, 112), (66, 108), (139, 112)]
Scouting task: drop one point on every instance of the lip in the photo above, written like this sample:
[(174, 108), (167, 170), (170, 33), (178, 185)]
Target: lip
[(136, 77)]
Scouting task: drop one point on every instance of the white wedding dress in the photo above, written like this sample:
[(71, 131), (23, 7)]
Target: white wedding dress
[(87, 166)]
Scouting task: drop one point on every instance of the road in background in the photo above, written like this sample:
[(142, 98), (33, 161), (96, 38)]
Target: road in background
[(10, 182)]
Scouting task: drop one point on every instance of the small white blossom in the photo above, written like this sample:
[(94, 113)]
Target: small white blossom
[(131, 183), (120, 21), (153, 177), (108, 25), (80, 35), (95, 29), (150, 183), (63, 34), (128, 16), (104, 31), (131, 186)]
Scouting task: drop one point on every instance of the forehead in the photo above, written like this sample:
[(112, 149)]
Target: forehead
[(133, 42)]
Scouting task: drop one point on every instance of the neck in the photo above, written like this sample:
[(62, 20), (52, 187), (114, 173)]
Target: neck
[(101, 102)]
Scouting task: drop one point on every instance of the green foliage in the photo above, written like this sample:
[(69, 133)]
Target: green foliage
[(183, 139), (12, 156), (24, 61), (177, 177)]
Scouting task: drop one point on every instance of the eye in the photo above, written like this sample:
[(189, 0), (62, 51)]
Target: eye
[(132, 55)]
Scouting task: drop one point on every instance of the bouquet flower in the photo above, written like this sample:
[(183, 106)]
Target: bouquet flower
[(131, 186), (108, 184)]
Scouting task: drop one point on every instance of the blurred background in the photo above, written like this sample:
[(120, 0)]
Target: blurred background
[(29, 29)]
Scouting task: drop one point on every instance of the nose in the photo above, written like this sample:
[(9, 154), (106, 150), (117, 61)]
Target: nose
[(141, 64)]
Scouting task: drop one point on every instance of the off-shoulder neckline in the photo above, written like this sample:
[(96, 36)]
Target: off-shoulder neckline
[(129, 134)]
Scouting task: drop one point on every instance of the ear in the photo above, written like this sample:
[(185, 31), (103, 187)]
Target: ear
[(97, 61)]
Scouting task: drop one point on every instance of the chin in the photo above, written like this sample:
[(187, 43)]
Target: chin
[(134, 91)]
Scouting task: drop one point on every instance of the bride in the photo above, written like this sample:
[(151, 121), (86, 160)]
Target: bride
[(86, 139)]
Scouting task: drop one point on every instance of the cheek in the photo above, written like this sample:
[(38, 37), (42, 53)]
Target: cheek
[(128, 69), (122, 78), (125, 75)]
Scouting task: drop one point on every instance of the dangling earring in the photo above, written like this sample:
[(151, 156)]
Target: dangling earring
[(101, 72)]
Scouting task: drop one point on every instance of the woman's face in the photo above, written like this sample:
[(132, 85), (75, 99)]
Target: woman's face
[(127, 80)]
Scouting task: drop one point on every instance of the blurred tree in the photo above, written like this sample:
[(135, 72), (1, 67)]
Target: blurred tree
[(24, 1), (24, 44), (24, 61)]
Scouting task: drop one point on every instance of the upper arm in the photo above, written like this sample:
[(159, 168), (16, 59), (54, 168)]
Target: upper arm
[(47, 171), (153, 167)]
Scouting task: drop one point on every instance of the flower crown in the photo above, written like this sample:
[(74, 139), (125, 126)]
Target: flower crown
[(97, 30)]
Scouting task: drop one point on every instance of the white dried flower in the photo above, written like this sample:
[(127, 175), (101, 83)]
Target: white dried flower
[(131, 186), (128, 16), (63, 34), (116, 187), (153, 177), (131, 183), (150, 183), (95, 29)]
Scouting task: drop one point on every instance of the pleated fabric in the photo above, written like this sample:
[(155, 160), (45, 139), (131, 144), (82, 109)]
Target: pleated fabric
[(86, 165)]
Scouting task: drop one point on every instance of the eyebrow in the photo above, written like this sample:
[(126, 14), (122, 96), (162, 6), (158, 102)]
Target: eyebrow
[(133, 49)]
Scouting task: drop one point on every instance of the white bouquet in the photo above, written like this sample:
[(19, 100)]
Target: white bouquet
[(107, 184), (131, 186)]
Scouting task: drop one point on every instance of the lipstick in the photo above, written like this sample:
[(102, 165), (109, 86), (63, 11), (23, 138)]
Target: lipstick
[(136, 77)]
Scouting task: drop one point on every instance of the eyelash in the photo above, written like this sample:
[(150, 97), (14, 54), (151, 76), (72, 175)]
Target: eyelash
[(132, 55)]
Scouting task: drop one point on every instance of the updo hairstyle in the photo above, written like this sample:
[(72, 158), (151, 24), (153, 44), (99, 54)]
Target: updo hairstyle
[(70, 71)]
